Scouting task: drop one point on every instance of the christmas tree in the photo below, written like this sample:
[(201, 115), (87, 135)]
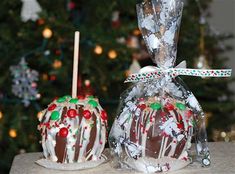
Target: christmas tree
[(110, 41)]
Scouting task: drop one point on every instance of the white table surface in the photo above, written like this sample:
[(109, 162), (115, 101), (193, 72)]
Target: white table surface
[(222, 154)]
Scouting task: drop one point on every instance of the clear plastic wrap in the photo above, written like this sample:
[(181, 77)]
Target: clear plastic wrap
[(159, 118)]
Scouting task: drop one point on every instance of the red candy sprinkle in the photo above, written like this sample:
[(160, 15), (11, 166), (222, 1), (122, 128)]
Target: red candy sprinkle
[(56, 124), (189, 113), (180, 126), (72, 113), (163, 114), (104, 115), (86, 114), (142, 106), (63, 132), (169, 107), (52, 107)]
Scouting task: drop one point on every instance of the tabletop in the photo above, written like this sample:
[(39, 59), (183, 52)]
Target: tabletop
[(222, 158)]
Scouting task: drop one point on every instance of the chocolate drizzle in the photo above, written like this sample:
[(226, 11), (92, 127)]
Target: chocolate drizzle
[(180, 146), (44, 118), (92, 136), (77, 145), (63, 116), (60, 148)]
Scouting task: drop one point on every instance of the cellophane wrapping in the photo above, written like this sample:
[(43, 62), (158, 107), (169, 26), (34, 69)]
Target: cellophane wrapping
[(158, 120)]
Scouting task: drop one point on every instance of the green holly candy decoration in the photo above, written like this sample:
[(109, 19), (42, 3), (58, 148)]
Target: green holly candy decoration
[(93, 103), (73, 100), (91, 97), (61, 100), (181, 106), (55, 115), (156, 106)]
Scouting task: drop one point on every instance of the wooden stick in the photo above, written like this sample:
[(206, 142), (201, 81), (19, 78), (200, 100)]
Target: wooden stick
[(75, 64)]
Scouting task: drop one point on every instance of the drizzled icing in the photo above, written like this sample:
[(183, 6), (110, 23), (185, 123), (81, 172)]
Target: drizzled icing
[(73, 130), (154, 128)]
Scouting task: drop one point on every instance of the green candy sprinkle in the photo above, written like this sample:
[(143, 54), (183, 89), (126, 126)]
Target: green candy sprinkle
[(156, 106), (91, 97), (61, 100), (73, 100), (55, 115), (181, 106), (93, 103)]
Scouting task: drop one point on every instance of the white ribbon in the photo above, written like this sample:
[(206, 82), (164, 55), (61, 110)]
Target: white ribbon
[(151, 72)]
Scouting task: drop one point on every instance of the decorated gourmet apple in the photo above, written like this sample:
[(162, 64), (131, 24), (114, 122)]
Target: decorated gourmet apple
[(163, 127), (158, 115), (73, 130)]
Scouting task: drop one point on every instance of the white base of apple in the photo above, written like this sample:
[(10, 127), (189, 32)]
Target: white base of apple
[(71, 166), (152, 165)]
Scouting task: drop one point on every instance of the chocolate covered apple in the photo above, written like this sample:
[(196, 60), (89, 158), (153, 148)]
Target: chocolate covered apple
[(73, 130), (157, 129)]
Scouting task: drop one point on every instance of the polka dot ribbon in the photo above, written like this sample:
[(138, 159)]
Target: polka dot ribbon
[(149, 73)]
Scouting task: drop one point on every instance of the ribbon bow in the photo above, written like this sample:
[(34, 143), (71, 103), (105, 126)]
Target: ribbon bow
[(151, 72)]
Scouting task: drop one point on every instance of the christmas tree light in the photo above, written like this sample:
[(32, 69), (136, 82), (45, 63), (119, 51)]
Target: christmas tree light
[(112, 54), (12, 133), (47, 33)]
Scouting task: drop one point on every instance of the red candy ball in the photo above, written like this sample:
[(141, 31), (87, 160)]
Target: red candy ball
[(72, 113), (86, 114), (104, 115), (142, 106), (169, 107), (52, 107), (63, 132)]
